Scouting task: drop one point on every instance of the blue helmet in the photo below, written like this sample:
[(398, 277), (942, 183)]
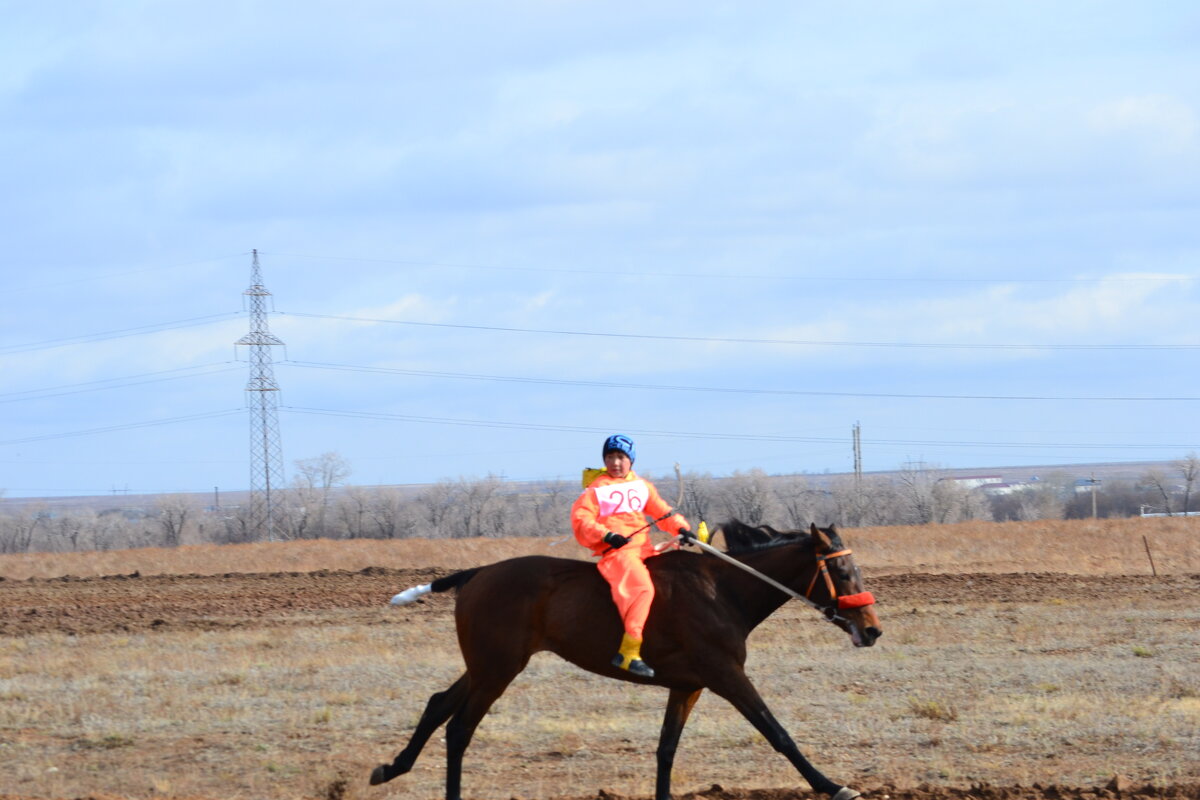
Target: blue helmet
[(622, 444)]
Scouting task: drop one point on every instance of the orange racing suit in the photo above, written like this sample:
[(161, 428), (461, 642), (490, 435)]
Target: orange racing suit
[(621, 505)]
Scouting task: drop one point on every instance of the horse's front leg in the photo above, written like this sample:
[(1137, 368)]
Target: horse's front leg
[(735, 687), (679, 707)]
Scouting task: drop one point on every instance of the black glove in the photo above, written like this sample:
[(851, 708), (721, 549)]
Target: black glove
[(615, 540), (686, 536)]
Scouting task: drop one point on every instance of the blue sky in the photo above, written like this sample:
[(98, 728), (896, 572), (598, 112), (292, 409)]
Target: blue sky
[(495, 232)]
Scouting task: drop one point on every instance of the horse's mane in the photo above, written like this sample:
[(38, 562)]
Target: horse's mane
[(742, 538)]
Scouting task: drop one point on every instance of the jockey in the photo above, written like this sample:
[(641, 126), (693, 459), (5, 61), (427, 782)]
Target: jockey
[(610, 518)]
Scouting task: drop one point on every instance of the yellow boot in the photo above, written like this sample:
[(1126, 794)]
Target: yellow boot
[(629, 657)]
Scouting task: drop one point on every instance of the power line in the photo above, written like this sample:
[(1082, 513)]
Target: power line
[(124, 427), (106, 276), (712, 389), (100, 336), (748, 437), (95, 386), (543, 426), (737, 276), (1036, 445), (738, 340), (89, 338)]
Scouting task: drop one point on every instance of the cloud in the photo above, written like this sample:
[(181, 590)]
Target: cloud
[(1118, 309), (1160, 125)]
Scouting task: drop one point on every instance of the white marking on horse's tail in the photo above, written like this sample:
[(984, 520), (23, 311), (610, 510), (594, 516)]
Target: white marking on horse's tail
[(411, 595)]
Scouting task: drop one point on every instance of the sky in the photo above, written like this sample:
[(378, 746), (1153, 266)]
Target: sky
[(494, 233)]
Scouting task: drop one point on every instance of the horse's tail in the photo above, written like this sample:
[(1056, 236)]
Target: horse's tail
[(453, 581), (440, 585)]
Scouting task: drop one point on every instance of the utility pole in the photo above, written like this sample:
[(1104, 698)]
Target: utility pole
[(856, 435), (262, 398), (1094, 482), (857, 432)]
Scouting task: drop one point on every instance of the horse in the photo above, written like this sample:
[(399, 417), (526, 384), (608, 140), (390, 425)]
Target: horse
[(704, 609)]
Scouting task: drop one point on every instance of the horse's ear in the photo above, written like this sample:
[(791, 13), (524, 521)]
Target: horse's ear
[(822, 541)]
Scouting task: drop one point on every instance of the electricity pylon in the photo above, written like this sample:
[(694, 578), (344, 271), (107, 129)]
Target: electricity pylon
[(262, 398)]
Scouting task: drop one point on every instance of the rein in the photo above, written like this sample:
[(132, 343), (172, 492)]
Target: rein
[(830, 612)]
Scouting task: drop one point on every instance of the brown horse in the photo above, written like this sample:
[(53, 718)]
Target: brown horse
[(703, 610)]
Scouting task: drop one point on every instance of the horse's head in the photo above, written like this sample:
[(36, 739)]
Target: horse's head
[(836, 586), (846, 602)]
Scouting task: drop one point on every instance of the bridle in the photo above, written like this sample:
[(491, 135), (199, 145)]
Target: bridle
[(840, 602), (835, 603)]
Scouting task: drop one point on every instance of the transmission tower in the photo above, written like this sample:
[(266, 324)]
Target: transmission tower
[(262, 398)]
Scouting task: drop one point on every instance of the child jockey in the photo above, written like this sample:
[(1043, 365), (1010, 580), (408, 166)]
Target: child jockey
[(610, 518)]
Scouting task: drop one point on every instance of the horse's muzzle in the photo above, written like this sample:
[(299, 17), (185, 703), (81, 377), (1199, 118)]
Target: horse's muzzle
[(866, 637)]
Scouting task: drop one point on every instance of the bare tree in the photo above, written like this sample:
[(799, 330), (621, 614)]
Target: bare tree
[(353, 509), (173, 512), (1119, 499), (699, 497), (312, 483), (1189, 470), (391, 517), (236, 526), (849, 502), (550, 506), (916, 482), (1157, 481), (875, 500), (433, 508), (17, 531), (1039, 501), (481, 509), (800, 502), (69, 528), (954, 502), (748, 497)]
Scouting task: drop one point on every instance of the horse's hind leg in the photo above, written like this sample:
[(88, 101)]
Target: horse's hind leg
[(679, 707), (738, 690), (482, 694), (440, 708)]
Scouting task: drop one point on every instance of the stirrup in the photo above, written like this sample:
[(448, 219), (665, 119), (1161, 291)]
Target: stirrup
[(635, 666)]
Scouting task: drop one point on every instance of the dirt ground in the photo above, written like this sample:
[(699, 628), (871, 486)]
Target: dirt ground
[(130, 603), (144, 604)]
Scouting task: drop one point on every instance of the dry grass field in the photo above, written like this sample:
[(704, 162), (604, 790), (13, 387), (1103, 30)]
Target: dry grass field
[(1019, 660)]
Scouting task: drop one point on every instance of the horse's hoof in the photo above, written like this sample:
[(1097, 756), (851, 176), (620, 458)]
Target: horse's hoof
[(846, 793), (380, 775)]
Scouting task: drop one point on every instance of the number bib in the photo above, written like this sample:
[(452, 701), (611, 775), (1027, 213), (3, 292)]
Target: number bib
[(622, 498)]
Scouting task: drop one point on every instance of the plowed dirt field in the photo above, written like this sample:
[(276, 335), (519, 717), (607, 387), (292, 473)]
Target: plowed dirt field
[(127, 603)]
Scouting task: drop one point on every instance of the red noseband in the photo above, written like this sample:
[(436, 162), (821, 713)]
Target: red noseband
[(848, 601), (856, 600)]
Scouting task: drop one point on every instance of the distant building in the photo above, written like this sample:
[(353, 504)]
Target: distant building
[(976, 481)]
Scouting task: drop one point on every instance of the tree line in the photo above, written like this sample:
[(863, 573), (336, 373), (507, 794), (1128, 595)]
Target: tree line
[(321, 503)]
